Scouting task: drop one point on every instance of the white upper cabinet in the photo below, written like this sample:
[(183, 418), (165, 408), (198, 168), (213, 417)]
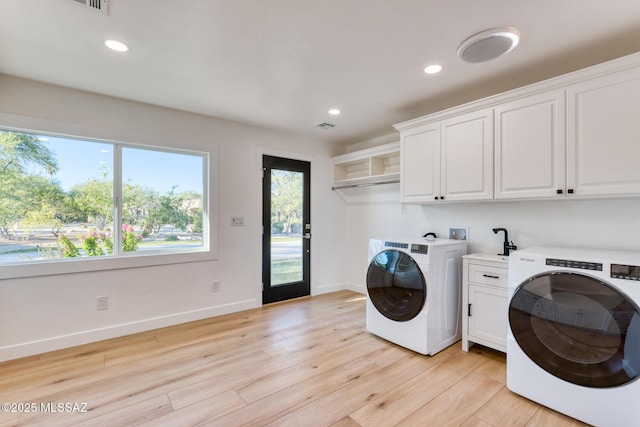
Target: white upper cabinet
[(576, 135), (530, 147), (467, 157), (420, 163), (603, 138), (448, 160)]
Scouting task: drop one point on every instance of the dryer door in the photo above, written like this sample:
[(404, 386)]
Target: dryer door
[(396, 285), (578, 328)]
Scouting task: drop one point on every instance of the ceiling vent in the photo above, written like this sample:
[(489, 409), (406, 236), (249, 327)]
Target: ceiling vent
[(325, 125), (101, 6)]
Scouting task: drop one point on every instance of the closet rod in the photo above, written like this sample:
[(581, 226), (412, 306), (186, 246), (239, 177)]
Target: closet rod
[(369, 184)]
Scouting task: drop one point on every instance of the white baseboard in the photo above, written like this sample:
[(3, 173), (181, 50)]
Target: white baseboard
[(361, 289), (325, 289), (84, 337), (335, 287)]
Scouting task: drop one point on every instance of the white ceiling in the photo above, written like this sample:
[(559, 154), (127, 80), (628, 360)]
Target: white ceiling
[(283, 63)]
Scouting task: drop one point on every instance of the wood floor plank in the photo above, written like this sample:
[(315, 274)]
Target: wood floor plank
[(281, 403), (207, 409), (136, 414), (506, 407), (456, 404), (335, 406), (345, 422), (393, 406), (305, 362), (277, 381), (388, 354), (545, 417)]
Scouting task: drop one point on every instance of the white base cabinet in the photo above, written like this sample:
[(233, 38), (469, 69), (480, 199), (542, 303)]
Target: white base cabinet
[(484, 301)]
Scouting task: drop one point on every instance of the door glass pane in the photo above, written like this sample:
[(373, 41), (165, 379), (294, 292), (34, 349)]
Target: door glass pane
[(286, 226), (396, 286)]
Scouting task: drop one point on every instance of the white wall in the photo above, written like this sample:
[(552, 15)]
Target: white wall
[(44, 313), (597, 223)]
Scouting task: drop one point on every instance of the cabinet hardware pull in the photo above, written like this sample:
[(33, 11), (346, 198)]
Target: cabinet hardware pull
[(570, 191), (559, 191), (491, 277), (469, 310), (436, 197)]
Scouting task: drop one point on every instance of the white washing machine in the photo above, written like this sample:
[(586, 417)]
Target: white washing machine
[(573, 342), (413, 292)]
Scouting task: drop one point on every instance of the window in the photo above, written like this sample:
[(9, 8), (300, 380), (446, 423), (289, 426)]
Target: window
[(67, 199)]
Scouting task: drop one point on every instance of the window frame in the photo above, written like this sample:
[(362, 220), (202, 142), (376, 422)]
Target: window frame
[(123, 260)]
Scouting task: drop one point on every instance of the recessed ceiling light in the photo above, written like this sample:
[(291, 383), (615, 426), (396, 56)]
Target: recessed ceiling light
[(433, 69), (334, 111), (489, 44), (116, 45)]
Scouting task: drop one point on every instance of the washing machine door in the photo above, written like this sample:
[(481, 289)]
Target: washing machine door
[(578, 328), (396, 285)]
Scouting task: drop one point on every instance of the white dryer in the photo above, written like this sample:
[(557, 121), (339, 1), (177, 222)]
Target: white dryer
[(414, 292), (573, 342)]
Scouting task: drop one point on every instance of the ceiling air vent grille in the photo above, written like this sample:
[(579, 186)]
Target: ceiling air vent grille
[(325, 125), (101, 6)]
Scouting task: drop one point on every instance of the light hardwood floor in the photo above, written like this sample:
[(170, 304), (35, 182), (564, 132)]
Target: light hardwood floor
[(307, 362)]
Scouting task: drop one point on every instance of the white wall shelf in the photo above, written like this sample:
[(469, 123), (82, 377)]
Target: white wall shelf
[(371, 166)]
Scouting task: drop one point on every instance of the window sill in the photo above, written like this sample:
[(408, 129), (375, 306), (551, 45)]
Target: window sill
[(83, 265)]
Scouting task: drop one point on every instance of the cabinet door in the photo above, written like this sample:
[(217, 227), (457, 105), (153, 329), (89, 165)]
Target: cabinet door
[(488, 316), (603, 137), (467, 157), (530, 147), (420, 163)]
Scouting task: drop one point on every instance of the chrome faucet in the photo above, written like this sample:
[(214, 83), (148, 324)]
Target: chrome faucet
[(506, 246)]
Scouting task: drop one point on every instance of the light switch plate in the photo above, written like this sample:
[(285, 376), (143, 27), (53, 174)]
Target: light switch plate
[(237, 221)]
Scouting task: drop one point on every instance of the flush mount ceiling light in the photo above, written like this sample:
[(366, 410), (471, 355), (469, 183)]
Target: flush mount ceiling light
[(334, 111), (116, 45), (433, 69), (489, 44)]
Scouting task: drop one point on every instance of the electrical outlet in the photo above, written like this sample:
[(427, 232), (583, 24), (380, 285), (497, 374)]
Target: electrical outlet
[(237, 221), (459, 233), (215, 286), (102, 303)]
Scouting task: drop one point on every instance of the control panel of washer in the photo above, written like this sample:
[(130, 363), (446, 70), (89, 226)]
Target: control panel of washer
[(628, 272), (574, 264), (396, 245), (419, 249)]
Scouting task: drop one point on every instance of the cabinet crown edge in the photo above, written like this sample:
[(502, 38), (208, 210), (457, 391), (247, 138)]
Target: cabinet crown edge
[(557, 82)]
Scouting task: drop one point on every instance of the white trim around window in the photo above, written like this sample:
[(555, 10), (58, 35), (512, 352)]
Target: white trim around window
[(210, 202)]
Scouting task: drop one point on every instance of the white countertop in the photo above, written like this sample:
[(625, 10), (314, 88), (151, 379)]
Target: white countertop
[(488, 257)]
